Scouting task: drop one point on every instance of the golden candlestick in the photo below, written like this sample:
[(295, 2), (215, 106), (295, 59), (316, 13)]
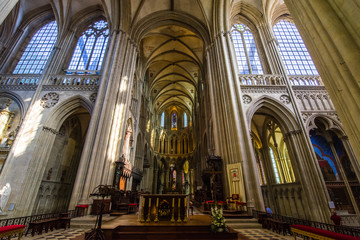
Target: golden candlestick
[(173, 210), (142, 213), (185, 211), (157, 211), (149, 212), (179, 218)]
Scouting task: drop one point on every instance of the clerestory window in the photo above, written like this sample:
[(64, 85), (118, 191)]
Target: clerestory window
[(38, 50), (185, 120), (90, 49), (162, 124), (246, 52), (293, 51)]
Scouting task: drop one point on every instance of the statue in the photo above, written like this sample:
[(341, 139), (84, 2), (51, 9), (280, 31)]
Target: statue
[(4, 196)]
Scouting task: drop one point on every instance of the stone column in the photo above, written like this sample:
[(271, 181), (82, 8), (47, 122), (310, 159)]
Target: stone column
[(309, 176), (155, 181), (104, 141), (329, 31), (343, 174), (308, 161), (350, 152), (5, 8), (224, 90)]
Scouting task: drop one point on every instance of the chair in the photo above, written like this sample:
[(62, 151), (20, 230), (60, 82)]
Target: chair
[(231, 201)]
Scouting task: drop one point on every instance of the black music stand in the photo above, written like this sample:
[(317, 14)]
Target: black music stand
[(100, 191)]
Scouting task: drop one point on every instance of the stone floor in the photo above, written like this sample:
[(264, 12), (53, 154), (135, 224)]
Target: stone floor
[(79, 233)]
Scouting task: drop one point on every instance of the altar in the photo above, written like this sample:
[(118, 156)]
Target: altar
[(164, 207)]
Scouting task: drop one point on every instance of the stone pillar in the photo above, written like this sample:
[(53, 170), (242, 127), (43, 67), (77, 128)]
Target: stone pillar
[(343, 174), (308, 161), (5, 8), (104, 141), (224, 90), (155, 181), (350, 152), (329, 31), (309, 175)]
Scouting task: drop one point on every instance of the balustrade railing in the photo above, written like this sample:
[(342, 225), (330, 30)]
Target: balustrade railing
[(308, 80), (19, 79), (28, 219), (355, 232), (268, 80), (74, 80), (278, 80)]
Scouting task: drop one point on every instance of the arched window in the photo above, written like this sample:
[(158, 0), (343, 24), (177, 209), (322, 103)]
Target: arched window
[(185, 120), (38, 50), (90, 48), (281, 162), (293, 50), (246, 53), (275, 166), (162, 124), (174, 121)]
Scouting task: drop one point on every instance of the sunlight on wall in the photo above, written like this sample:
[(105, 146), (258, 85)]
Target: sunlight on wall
[(123, 84), (115, 131), (152, 138), (148, 126), (29, 130)]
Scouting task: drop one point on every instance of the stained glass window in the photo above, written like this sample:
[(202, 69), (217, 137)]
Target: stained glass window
[(293, 50), (273, 161), (174, 121), (90, 48), (38, 50), (185, 120), (247, 55), (162, 124)]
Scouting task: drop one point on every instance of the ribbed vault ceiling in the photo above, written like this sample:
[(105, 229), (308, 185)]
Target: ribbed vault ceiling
[(174, 56)]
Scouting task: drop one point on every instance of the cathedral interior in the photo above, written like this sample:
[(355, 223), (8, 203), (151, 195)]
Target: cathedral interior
[(205, 98)]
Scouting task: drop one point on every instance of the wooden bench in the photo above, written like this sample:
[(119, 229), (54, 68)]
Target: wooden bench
[(11, 230), (317, 233), (46, 224)]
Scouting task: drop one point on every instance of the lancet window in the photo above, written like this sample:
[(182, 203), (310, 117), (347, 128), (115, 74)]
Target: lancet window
[(90, 49), (162, 124), (293, 50), (279, 157), (185, 120), (174, 121), (245, 49), (38, 50)]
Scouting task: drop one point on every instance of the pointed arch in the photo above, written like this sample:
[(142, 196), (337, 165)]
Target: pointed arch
[(65, 109), (270, 106)]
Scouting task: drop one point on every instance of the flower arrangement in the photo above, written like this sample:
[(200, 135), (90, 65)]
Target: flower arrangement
[(218, 220)]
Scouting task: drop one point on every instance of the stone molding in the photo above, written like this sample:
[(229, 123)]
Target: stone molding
[(53, 131), (19, 87), (263, 89), (69, 88)]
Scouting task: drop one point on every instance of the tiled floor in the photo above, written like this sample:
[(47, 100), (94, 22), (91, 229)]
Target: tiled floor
[(78, 234), (261, 234), (73, 234)]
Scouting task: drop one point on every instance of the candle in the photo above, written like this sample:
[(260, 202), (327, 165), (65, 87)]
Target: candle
[(157, 202), (179, 202), (173, 202)]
